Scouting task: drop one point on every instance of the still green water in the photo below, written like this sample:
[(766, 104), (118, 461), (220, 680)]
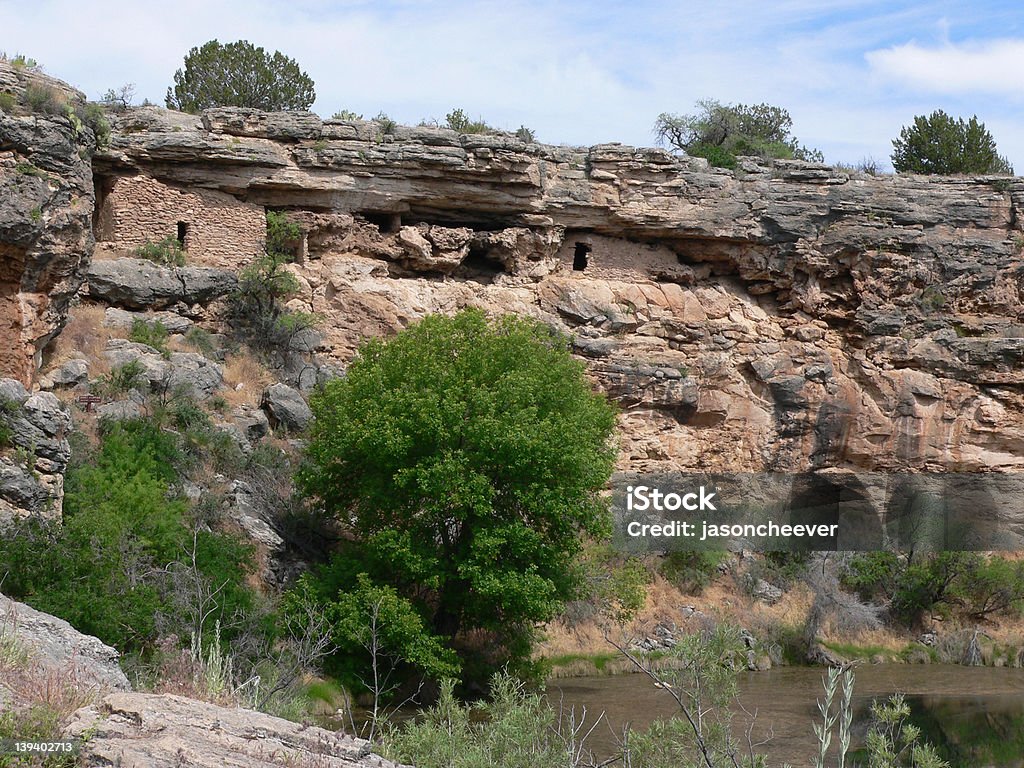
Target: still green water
[(974, 715)]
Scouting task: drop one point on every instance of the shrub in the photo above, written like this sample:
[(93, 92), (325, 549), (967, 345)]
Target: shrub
[(153, 334), (45, 99), (258, 306), (346, 114), (167, 252), (119, 99), (722, 132), (8, 408), (110, 567), (7, 101), (239, 74), (692, 571), (459, 121), (388, 127), (938, 144), (123, 379), (93, 116), (282, 235), (525, 135)]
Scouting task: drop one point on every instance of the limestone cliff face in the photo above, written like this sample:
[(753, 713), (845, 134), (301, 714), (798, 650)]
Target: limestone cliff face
[(46, 206), (783, 317)]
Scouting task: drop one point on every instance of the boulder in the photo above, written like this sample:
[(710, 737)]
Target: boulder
[(120, 318), (286, 408), (140, 284), (70, 374), (59, 648), (166, 731)]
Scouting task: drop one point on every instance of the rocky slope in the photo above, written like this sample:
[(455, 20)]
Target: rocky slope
[(783, 317), (46, 207)]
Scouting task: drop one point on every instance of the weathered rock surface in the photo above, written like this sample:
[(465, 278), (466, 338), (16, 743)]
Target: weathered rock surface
[(59, 649), (134, 729), (286, 408), (783, 317), (141, 284), (46, 204), (187, 371), (34, 454)]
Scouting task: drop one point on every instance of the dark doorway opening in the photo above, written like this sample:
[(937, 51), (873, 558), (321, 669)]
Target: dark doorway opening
[(182, 232), (581, 258)]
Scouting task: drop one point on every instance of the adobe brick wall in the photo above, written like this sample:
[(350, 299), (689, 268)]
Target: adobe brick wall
[(222, 231)]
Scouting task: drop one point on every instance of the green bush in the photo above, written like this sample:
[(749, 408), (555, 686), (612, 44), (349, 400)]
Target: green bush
[(153, 334), (692, 571), (107, 569), (123, 379), (459, 121), (517, 729), (722, 132), (93, 116), (283, 235), (7, 101), (8, 408), (257, 306), (45, 99), (167, 252)]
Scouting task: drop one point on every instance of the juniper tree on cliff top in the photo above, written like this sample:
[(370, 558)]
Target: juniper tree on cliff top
[(239, 75), (938, 144)]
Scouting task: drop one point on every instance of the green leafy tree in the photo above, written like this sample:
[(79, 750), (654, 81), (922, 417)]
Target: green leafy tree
[(239, 74), (722, 132), (938, 144), (463, 459)]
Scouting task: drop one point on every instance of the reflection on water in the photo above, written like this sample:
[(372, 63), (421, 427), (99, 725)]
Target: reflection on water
[(974, 715)]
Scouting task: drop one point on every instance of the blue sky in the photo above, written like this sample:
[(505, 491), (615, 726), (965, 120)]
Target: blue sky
[(850, 72)]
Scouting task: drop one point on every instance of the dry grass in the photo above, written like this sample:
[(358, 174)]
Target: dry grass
[(43, 697), (86, 337), (245, 378)]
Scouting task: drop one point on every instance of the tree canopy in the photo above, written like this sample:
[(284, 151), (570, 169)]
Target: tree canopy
[(463, 460), (239, 75), (938, 144), (723, 132)]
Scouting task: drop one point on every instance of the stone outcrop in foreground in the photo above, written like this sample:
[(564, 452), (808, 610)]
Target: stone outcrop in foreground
[(138, 730), (56, 648)]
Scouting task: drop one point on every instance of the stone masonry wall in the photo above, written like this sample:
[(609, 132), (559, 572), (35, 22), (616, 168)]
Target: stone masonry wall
[(220, 230)]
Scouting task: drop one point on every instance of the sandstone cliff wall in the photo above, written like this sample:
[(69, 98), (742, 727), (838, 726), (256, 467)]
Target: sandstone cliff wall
[(46, 204), (782, 317)]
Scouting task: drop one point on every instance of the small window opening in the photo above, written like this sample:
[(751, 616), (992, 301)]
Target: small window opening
[(581, 257), (182, 232)]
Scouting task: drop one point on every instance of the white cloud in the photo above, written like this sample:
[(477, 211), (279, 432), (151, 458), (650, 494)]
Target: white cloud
[(991, 66)]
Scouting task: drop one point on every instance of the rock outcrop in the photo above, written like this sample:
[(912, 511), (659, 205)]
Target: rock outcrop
[(140, 284), (46, 207), (57, 649), (779, 317), (165, 731), (34, 452)]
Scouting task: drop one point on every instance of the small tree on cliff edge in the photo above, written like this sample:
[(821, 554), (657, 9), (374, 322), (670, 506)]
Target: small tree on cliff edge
[(939, 144), (239, 75), (464, 459)]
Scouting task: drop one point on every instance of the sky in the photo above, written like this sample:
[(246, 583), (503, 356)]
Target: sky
[(850, 72)]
